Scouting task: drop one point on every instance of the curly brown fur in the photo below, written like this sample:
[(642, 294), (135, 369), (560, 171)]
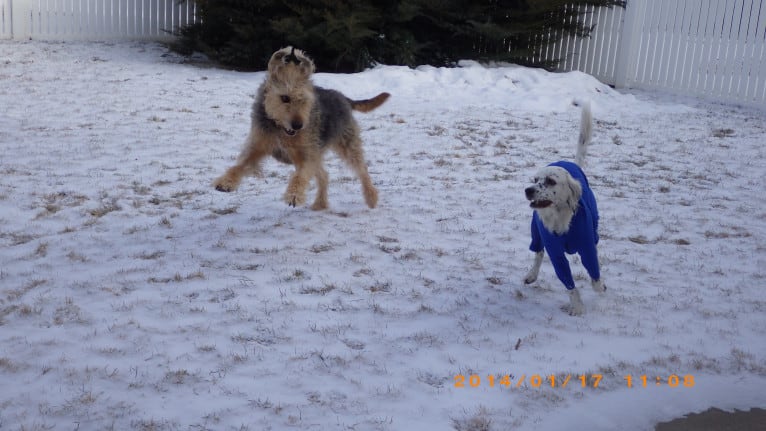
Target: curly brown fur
[(296, 123)]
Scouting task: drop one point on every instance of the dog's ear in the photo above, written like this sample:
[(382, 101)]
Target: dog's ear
[(301, 60), (307, 66), (290, 64), (575, 191), (276, 62)]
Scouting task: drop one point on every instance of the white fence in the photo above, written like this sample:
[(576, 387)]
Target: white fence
[(710, 48), (92, 19)]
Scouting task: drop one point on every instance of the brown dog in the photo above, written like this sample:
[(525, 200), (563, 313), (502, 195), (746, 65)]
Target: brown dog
[(296, 123)]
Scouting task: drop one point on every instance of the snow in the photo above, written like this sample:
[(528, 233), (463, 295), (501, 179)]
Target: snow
[(133, 296)]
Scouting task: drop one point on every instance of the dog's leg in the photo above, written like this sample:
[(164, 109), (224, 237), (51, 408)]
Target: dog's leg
[(590, 262), (247, 163), (535, 270), (351, 152), (369, 191), (295, 194), (320, 203), (576, 306)]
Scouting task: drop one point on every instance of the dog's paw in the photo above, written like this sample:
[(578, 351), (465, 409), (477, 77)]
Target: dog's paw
[(319, 206), (530, 278), (225, 184), (294, 199), (573, 310), (371, 197), (575, 306), (598, 285)]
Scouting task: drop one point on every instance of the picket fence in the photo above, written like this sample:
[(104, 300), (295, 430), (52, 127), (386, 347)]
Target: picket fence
[(93, 19), (710, 48)]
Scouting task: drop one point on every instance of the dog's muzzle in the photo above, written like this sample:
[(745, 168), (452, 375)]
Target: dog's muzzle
[(294, 127), (540, 204), (531, 192)]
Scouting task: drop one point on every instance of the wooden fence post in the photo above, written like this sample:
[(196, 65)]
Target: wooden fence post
[(625, 67), (21, 19)]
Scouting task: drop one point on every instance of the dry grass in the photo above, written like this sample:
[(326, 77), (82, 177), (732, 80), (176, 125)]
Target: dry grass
[(478, 421)]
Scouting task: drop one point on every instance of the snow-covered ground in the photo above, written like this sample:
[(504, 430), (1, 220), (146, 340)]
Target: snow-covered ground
[(133, 296)]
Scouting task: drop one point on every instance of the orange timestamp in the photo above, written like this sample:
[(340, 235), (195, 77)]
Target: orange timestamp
[(673, 381), (553, 381), (535, 380)]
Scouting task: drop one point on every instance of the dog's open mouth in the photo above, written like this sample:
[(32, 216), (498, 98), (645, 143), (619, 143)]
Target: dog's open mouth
[(540, 204), (290, 132)]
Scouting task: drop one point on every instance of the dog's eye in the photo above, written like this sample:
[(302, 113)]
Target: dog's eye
[(550, 182), (285, 98)]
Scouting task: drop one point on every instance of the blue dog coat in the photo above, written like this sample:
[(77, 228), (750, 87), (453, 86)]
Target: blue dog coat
[(581, 237)]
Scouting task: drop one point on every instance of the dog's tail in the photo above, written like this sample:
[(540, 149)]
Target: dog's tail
[(586, 131), (368, 105)]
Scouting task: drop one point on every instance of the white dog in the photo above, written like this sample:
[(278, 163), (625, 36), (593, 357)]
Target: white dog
[(565, 219)]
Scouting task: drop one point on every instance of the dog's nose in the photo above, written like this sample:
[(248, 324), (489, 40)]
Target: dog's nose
[(530, 192), (296, 125)]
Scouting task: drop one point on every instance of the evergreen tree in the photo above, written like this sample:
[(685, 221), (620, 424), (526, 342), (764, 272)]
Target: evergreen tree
[(347, 35), (495, 30), (336, 33), (235, 33)]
